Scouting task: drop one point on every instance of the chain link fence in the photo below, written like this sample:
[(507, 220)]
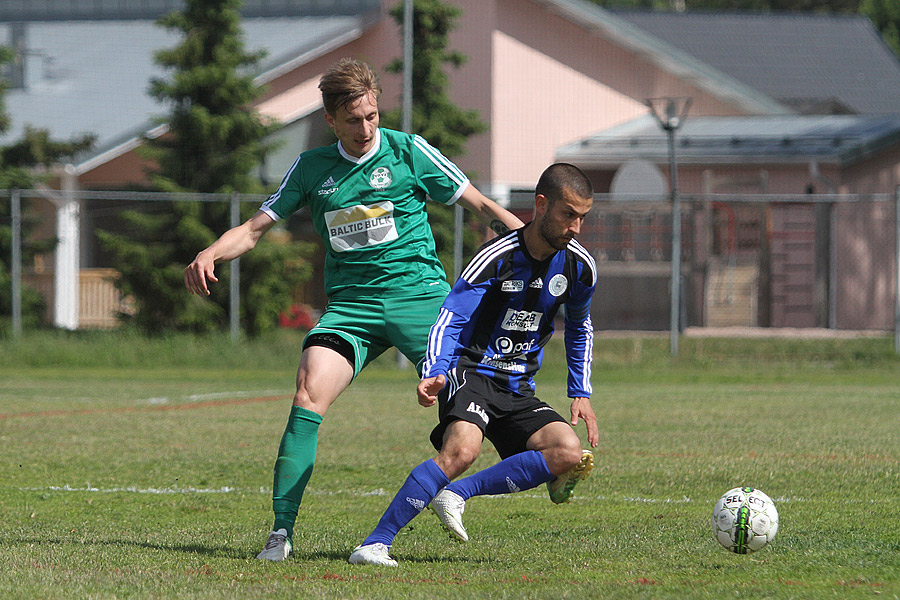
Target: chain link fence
[(780, 261)]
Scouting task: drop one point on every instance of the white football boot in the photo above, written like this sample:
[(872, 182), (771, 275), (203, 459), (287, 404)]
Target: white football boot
[(278, 547), (372, 554), (449, 508)]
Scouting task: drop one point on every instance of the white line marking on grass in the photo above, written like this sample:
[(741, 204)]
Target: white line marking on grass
[(155, 401), (131, 490), (193, 490), (355, 493)]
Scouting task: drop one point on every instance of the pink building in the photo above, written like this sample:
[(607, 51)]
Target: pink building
[(781, 104)]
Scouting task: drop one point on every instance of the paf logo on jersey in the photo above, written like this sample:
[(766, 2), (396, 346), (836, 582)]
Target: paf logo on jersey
[(361, 226), (380, 178)]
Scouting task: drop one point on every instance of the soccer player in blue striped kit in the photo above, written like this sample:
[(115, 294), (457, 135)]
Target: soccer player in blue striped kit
[(483, 352)]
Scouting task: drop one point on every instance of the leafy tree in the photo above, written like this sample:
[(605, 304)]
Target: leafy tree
[(435, 117), (214, 140), (885, 14), (18, 163)]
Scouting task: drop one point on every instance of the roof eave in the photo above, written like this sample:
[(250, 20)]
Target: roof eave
[(615, 161), (91, 160)]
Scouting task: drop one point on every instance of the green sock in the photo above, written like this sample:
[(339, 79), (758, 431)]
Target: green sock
[(296, 457)]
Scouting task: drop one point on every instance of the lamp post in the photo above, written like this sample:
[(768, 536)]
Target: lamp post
[(670, 114)]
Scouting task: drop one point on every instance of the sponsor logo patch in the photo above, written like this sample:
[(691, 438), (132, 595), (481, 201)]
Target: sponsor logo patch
[(328, 187), (506, 346), (512, 285), (474, 408), (498, 362), (361, 226), (521, 320)]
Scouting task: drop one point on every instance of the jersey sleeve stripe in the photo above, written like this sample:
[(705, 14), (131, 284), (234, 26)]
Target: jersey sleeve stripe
[(441, 162), (277, 194), (435, 337), (482, 259), (270, 212), (588, 354), (583, 253), (458, 193), (436, 155)]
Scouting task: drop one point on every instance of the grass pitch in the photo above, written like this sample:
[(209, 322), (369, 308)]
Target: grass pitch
[(142, 469)]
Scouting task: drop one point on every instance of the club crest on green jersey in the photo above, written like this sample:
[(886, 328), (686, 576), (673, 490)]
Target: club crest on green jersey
[(380, 178)]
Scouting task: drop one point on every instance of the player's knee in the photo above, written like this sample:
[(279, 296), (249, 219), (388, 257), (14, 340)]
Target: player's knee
[(569, 452), (302, 398), (456, 460)]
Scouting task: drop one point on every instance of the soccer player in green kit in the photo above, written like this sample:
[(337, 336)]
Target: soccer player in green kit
[(366, 196)]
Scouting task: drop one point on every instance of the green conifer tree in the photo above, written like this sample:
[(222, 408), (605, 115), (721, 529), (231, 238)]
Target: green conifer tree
[(213, 141), (435, 117)]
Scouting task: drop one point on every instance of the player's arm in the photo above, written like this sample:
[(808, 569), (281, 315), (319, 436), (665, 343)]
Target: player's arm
[(428, 389), (487, 210), (582, 409), (232, 244), (579, 342)]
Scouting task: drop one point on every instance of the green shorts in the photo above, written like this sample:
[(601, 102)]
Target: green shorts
[(372, 325)]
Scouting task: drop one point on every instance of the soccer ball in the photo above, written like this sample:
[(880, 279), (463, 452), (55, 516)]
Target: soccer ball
[(744, 520)]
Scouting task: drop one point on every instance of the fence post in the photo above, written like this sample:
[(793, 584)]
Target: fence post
[(897, 270), (16, 209), (458, 235), (234, 288)]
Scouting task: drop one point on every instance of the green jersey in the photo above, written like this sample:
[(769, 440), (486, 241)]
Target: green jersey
[(370, 212)]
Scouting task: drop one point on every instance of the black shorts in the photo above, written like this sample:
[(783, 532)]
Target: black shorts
[(506, 419)]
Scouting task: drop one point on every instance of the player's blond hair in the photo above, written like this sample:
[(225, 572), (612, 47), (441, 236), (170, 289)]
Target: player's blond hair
[(346, 82)]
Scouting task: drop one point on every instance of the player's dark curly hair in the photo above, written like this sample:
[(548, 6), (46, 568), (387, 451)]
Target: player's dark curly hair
[(346, 82), (560, 176)]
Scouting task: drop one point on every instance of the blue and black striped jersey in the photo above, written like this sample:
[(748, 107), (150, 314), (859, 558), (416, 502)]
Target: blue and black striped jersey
[(499, 315)]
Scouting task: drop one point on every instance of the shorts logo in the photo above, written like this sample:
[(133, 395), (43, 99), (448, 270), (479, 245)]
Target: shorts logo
[(542, 408), (537, 284), (521, 320), (474, 408), (361, 226), (558, 284), (380, 178), (512, 285), (417, 504)]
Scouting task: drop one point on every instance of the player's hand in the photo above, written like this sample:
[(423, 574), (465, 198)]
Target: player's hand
[(196, 274), (428, 389), (581, 409)]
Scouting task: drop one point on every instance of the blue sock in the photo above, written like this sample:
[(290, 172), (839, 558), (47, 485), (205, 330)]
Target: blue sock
[(423, 483), (517, 473)]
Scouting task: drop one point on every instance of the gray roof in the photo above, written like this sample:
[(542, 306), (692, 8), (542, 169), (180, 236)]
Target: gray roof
[(668, 57), (93, 76), (835, 139), (813, 63)]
